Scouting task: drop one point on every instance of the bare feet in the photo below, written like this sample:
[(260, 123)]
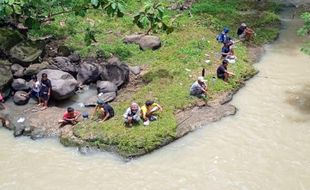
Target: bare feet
[(44, 108)]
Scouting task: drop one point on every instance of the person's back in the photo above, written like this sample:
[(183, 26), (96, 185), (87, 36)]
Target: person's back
[(109, 109)]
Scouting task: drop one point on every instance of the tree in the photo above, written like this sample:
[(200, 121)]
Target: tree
[(152, 17), (32, 13), (305, 31)]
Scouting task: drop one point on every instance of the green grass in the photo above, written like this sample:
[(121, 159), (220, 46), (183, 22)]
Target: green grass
[(171, 69)]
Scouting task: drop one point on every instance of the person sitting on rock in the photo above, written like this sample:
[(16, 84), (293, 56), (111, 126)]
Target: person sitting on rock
[(245, 33), (222, 72), (103, 111), (148, 110), (70, 117), (35, 89), (45, 91), (132, 114), (199, 88)]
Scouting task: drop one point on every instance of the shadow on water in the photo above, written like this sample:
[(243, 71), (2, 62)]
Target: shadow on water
[(300, 99)]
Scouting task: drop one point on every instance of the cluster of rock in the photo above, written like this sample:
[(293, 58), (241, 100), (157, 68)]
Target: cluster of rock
[(66, 70)]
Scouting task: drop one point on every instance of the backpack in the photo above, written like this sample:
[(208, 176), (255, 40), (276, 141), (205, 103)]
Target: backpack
[(220, 38)]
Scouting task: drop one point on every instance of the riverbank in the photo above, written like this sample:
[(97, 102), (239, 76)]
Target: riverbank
[(168, 73)]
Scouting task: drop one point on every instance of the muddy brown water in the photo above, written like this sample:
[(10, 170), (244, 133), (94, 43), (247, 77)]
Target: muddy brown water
[(265, 146)]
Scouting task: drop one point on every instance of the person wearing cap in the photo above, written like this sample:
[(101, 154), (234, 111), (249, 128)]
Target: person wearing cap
[(103, 111), (70, 117), (132, 114), (148, 110), (199, 88), (35, 88), (222, 72), (244, 32)]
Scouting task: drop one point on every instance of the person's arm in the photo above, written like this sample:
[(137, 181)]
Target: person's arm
[(126, 113), (137, 115), (94, 112), (160, 108), (107, 115), (49, 89), (77, 115)]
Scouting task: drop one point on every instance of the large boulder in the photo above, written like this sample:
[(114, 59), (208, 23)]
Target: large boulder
[(17, 70), (115, 73), (8, 39), (20, 85), (26, 52), (107, 97), (5, 74), (150, 42), (20, 98), (63, 64), (144, 41), (63, 84), (34, 69), (88, 72), (106, 86)]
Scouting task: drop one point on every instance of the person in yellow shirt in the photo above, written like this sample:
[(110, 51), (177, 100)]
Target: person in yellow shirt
[(148, 110)]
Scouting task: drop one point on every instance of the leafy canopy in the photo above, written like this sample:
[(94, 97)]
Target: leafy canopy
[(305, 30)]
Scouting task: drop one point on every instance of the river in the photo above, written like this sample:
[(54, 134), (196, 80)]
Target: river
[(266, 146)]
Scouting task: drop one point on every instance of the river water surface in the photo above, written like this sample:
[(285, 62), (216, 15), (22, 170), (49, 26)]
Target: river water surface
[(266, 146)]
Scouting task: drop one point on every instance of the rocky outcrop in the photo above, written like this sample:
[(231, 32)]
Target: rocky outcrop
[(8, 39), (63, 51), (17, 70), (135, 70), (115, 73), (26, 52), (144, 41), (20, 85), (63, 64), (20, 98), (88, 72), (34, 69), (5, 74), (106, 86), (63, 84)]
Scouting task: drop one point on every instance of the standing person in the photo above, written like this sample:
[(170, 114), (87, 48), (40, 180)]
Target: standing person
[(35, 89), (148, 110), (45, 91), (199, 88), (245, 33), (70, 117), (222, 72), (103, 111), (132, 114)]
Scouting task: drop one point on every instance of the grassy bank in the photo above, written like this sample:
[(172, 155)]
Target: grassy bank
[(170, 70)]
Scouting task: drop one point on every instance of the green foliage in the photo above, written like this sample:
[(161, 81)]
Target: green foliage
[(305, 31), (152, 17)]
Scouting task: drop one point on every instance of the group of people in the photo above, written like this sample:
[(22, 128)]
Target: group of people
[(199, 87), (103, 112), (40, 90)]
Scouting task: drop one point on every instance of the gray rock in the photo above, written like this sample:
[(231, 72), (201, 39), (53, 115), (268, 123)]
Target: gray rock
[(34, 69), (114, 60), (134, 38), (19, 99), (88, 72), (26, 52), (8, 39), (17, 70), (150, 42), (5, 74), (144, 41), (19, 129), (63, 51), (116, 73), (20, 85), (75, 58), (63, 64), (135, 70), (63, 84), (106, 86), (108, 97)]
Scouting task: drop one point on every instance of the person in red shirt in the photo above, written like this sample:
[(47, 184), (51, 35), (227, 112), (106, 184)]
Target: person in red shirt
[(70, 117)]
